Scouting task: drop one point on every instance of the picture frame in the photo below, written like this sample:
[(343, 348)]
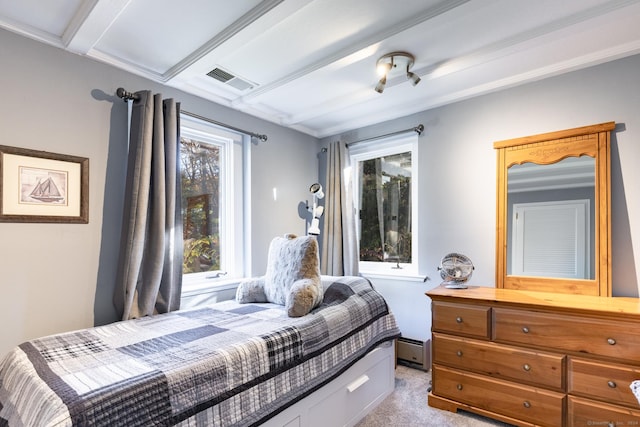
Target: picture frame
[(38, 186)]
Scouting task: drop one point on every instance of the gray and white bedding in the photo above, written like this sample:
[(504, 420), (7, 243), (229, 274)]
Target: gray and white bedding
[(226, 364)]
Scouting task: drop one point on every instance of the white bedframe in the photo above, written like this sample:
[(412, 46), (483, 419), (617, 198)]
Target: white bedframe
[(347, 399)]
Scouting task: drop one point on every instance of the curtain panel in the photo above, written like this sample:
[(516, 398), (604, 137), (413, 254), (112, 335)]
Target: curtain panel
[(340, 249), (149, 279)]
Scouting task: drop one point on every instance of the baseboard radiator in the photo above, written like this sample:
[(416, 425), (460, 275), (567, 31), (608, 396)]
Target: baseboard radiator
[(414, 353)]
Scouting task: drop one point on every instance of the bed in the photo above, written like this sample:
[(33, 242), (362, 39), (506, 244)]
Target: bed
[(225, 364)]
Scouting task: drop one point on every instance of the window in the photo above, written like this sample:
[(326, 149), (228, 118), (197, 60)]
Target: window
[(385, 181), (211, 176)]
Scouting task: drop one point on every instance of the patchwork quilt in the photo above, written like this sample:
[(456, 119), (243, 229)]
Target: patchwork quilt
[(226, 364)]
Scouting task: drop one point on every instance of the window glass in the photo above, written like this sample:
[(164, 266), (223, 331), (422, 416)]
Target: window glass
[(385, 180), (201, 197), (212, 204), (385, 208)]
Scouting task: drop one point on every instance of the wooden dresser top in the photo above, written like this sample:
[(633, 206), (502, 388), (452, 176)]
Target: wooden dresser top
[(611, 306)]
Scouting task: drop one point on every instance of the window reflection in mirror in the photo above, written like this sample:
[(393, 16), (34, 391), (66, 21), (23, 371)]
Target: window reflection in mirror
[(551, 219)]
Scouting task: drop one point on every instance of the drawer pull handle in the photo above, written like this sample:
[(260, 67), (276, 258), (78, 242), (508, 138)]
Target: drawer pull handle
[(526, 367), (611, 384), (459, 353), (459, 386), (459, 319), (525, 329), (611, 341), (357, 383), (526, 404)]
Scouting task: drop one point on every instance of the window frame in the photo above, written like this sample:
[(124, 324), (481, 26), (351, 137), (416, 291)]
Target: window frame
[(380, 147), (234, 186)]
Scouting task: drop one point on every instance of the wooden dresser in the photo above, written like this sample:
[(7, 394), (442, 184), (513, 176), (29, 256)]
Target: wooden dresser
[(535, 358)]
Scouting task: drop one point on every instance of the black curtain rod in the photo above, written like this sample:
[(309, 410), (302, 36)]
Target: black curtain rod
[(126, 96), (418, 129)]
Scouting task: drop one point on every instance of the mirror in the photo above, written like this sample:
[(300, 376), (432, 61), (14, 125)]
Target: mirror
[(553, 203), (550, 219)]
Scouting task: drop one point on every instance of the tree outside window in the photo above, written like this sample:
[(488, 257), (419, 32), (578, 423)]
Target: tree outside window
[(200, 179), (385, 187), (385, 209)]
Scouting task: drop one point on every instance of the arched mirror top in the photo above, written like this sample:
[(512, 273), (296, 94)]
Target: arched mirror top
[(547, 184), (540, 156)]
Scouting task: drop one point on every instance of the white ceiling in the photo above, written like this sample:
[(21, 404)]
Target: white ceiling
[(311, 63)]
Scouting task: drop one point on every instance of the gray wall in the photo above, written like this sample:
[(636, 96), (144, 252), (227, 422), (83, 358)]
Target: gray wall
[(60, 277), (57, 277), (458, 170)]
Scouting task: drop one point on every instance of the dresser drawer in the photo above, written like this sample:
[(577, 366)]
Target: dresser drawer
[(603, 381), (584, 412), (534, 367), (461, 319), (531, 404), (615, 339)]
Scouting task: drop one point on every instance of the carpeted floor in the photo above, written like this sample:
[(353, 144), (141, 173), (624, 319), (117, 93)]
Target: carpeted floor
[(407, 406)]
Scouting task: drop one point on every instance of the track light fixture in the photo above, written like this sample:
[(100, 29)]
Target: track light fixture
[(395, 63), (381, 84)]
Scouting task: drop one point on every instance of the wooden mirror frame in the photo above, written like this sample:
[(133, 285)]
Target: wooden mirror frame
[(546, 149)]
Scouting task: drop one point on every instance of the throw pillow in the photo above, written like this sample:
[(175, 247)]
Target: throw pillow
[(292, 278)]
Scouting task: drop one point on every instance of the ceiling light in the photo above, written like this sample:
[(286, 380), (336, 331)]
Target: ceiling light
[(382, 68), (381, 83), (413, 77), (395, 63)]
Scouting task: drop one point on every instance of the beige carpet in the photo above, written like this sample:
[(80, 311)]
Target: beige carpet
[(407, 406)]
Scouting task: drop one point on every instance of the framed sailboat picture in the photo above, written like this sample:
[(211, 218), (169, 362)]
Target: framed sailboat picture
[(37, 186)]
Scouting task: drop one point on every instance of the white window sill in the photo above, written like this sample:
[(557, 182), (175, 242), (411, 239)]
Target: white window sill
[(409, 277), (209, 286)]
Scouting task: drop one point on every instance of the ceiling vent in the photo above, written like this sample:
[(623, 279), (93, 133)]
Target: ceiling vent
[(230, 79)]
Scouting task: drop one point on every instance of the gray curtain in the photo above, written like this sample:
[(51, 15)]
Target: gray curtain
[(150, 270), (340, 247)]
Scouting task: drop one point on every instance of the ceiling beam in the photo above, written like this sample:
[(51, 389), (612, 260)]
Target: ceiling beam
[(92, 19), (238, 26), (385, 33)]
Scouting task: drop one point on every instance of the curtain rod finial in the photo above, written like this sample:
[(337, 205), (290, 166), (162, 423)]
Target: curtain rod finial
[(125, 95)]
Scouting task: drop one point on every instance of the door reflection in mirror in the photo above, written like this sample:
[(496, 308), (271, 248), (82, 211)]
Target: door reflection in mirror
[(551, 219)]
